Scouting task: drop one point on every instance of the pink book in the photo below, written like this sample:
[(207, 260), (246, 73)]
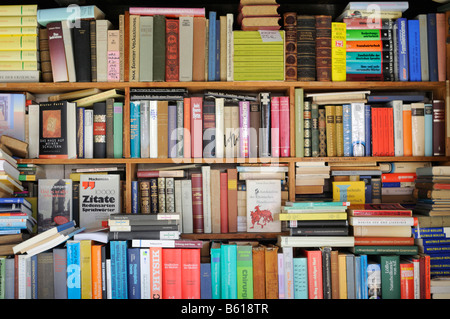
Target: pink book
[(113, 56), (244, 126), (441, 46), (285, 146), (196, 127), (57, 52), (168, 12), (275, 126)]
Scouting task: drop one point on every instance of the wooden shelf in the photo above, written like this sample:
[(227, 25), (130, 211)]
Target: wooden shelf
[(234, 236)]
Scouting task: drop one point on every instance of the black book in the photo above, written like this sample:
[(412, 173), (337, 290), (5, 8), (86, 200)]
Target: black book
[(209, 128), (82, 50), (306, 48)]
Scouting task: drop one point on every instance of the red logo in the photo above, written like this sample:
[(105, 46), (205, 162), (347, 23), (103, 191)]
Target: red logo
[(87, 185)]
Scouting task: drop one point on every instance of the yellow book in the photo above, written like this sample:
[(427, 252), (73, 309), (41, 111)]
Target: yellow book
[(103, 96), (339, 131), (342, 262), (257, 37), (25, 42), (18, 21), (76, 176), (330, 120), (353, 192), (338, 51), (86, 270), (18, 65), (19, 55), (313, 216), (18, 10), (18, 31)]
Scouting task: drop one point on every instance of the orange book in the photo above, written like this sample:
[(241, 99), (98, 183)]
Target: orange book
[(198, 60), (259, 282), (232, 200), (407, 130), (406, 280), (364, 46), (271, 268), (96, 260), (190, 273), (171, 273), (187, 128), (314, 266)]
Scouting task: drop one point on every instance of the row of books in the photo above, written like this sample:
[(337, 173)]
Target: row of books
[(215, 125), (211, 200), (365, 124)]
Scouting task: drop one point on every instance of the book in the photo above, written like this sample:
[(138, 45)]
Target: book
[(44, 16), (353, 192), (57, 52), (263, 205)]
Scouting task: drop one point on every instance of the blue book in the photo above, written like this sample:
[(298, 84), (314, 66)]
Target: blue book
[(391, 184), (228, 271), (402, 44), (45, 16), (217, 51), (428, 129), (34, 277), (119, 282), (134, 197), (368, 130), (73, 270), (135, 140), (347, 128), (205, 281), (172, 130), (432, 46), (215, 273), (374, 67), (134, 273), (300, 278), (363, 274), (212, 46), (15, 200), (415, 68), (358, 287)]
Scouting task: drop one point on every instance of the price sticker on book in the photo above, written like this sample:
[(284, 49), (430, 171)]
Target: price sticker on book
[(270, 36)]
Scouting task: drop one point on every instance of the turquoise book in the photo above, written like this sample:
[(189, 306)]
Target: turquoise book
[(228, 271), (244, 267), (215, 271), (119, 282), (73, 270), (300, 278), (428, 129), (118, 129), (363, 273), (135, 141)]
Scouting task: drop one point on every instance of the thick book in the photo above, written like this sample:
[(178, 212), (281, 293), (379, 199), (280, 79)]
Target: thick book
[(306, 48), (418, 129), (101, 38), (432, 47), (199, 53), (290, 27), (57, 131), (323, 47), (57, 52), (197, 203), (82, 54), (338, 51)]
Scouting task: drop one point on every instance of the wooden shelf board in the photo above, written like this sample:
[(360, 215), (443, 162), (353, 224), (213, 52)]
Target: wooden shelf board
[(234, 236)]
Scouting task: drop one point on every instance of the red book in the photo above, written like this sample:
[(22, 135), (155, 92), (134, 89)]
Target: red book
[(382, 209), (187, 128), (190, 273), (398, 177), (285, 146), (375, 131), (390, 125), (156, 273), (406, 280), (232, 200), (172, 50), (275, 126), (223, 202), (57, 52), (171, 273), (197, 203), (196, 127), (425, 276), (314, 266)]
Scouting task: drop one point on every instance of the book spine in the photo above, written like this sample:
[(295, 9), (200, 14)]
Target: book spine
[(339, 131), (172, 50), (162, 128), (179, 128), (418, 129), (322, 133), (212, 46), (244, 127), (113, 54), (368, 130), (82, 52), (397, 108), (365, 46), (73, 270), (232, 199), (428, 127), (338, 51), (146, 48), (299, 130), (285, 143), (314, 130), (432, 47), (223, 203), (210, 138), (307, 128), (441, 49), (367, 35), (438, 128), (290, 28), (109, 128), (199, 39), (244, 270), (135, 140), (363, 23), (172, 130), (220, 129), (323, 48), (80, 132), (57, 52), (196, 127), (186, 48), (101, 37), (275, 126), (330, 112), (358, 123), (170, 12), (187, 133), (415, 70), (197, 203), (264, 142), (118, 129), (170, 195), (306, 48), (93, 46), (153, 129), (159, 48)]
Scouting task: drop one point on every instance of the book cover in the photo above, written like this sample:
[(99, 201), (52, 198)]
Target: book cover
[(275, 126), (390, 276), (352, 191), (57, 52), (54, 203), (99, 130), (190, 274), (172, 50), (57, 132), (99, 198), (323, 50), (146, 48), (263, 205), (415, 70), (418, 129)]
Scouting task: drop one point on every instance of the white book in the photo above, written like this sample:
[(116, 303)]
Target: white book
[(223, 48), (145, 129), (101, 29), (23, 263), (186, 48), (145, 48), (418, 129), (108, 279), (179, 203), (230, 47), (206, 185), (68, 48), (186, 193), (288, 256), (397, 108), (71, 131), (33, 131), (145, 273), (358, 129), (263, 205), (88, 133), (153, 129), (220, 127)]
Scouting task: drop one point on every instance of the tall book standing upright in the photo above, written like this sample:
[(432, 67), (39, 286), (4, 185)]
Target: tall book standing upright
[(57, 52)]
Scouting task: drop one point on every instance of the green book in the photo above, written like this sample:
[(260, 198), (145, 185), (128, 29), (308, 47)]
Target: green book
[(244, 266), (367, 34), (390, 276), (159, 48), (146, 49), (299, 150), (118, 129), (385, 250)]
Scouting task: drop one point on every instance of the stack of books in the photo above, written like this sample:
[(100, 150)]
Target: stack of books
[(382, 229), (432, 190), (258, 56), (19, 56), (30, 172), (440, 288), (144, 226), (9, 175), (258, 15), (310, 177)]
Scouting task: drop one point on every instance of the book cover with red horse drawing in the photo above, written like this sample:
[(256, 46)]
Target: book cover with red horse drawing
[(263, 205)]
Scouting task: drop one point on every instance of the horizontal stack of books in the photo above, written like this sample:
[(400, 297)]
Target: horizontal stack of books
[(258, 15), (311, 178)]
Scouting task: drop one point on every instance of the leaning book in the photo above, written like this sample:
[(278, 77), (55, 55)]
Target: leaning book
[(54, 203), (263, 205), (99, 198)]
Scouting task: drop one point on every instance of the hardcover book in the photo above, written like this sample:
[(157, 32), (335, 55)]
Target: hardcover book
[(263, 205)]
